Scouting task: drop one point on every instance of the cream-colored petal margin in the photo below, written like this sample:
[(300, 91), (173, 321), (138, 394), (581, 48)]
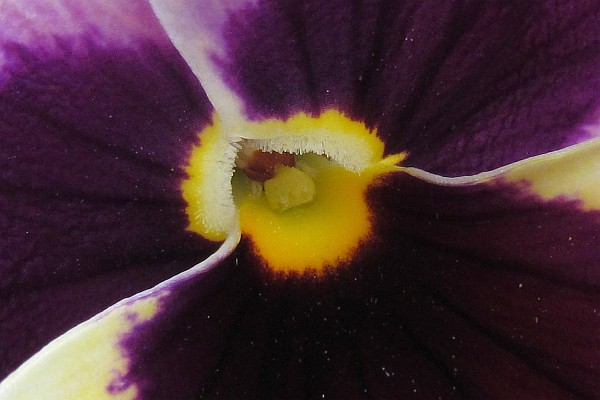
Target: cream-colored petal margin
[(571, 173), (88, 361), (84, 362), (196, 28)]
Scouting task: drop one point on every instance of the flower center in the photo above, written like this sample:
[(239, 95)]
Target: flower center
[(296, 188), (275, 174), (260, 165)]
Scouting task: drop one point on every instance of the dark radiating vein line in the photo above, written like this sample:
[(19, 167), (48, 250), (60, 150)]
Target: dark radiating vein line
[(505, 344), (381, 39), (426, 350), (230, 342), (295, 15), (451, 36), (525, 269), (273, 357)]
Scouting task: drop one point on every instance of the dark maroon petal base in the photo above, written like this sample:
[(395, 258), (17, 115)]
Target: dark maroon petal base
[(472, 292)]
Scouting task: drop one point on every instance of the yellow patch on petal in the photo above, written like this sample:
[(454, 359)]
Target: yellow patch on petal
[(207, 190), (87, 362), (340, 138), (572, 173), (322, 233), (307, 217)]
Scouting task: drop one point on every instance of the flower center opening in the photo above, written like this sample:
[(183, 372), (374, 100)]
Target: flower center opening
[(296, 188), (275, 174)]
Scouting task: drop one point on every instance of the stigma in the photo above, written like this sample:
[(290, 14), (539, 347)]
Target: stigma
[(284, 185), (295, 187)]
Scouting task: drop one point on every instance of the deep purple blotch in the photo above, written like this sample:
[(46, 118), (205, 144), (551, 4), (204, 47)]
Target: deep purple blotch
[(92, 150), (463, 86), (472, 292)]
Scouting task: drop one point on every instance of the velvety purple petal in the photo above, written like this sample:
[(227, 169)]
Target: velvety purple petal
[(515, 285), (88, 361), (463, 86), (466, 292), (96, 124)]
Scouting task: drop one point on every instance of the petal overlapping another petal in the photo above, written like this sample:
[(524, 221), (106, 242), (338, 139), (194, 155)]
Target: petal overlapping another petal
[(464, 87), (196, 29), (515, 281), (456, 273), (91, 361), (96, 126), (97, 115)]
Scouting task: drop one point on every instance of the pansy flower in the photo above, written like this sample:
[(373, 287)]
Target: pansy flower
[(299, 199)]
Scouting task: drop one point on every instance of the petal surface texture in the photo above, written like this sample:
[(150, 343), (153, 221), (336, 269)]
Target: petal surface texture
[(481, 277), (91, 360), (462, 86), (97, 116), (457, 274)]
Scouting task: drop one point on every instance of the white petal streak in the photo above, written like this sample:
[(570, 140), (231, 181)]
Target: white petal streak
[(196, 28), (483, 177)]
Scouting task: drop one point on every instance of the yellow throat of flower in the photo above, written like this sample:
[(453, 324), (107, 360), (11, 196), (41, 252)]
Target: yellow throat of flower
[(296, 187)]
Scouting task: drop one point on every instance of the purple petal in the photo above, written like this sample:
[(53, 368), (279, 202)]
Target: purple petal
[(462, 86), (196, 29), (96, 124), (89, 361), (466, 292), (514, 283)]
